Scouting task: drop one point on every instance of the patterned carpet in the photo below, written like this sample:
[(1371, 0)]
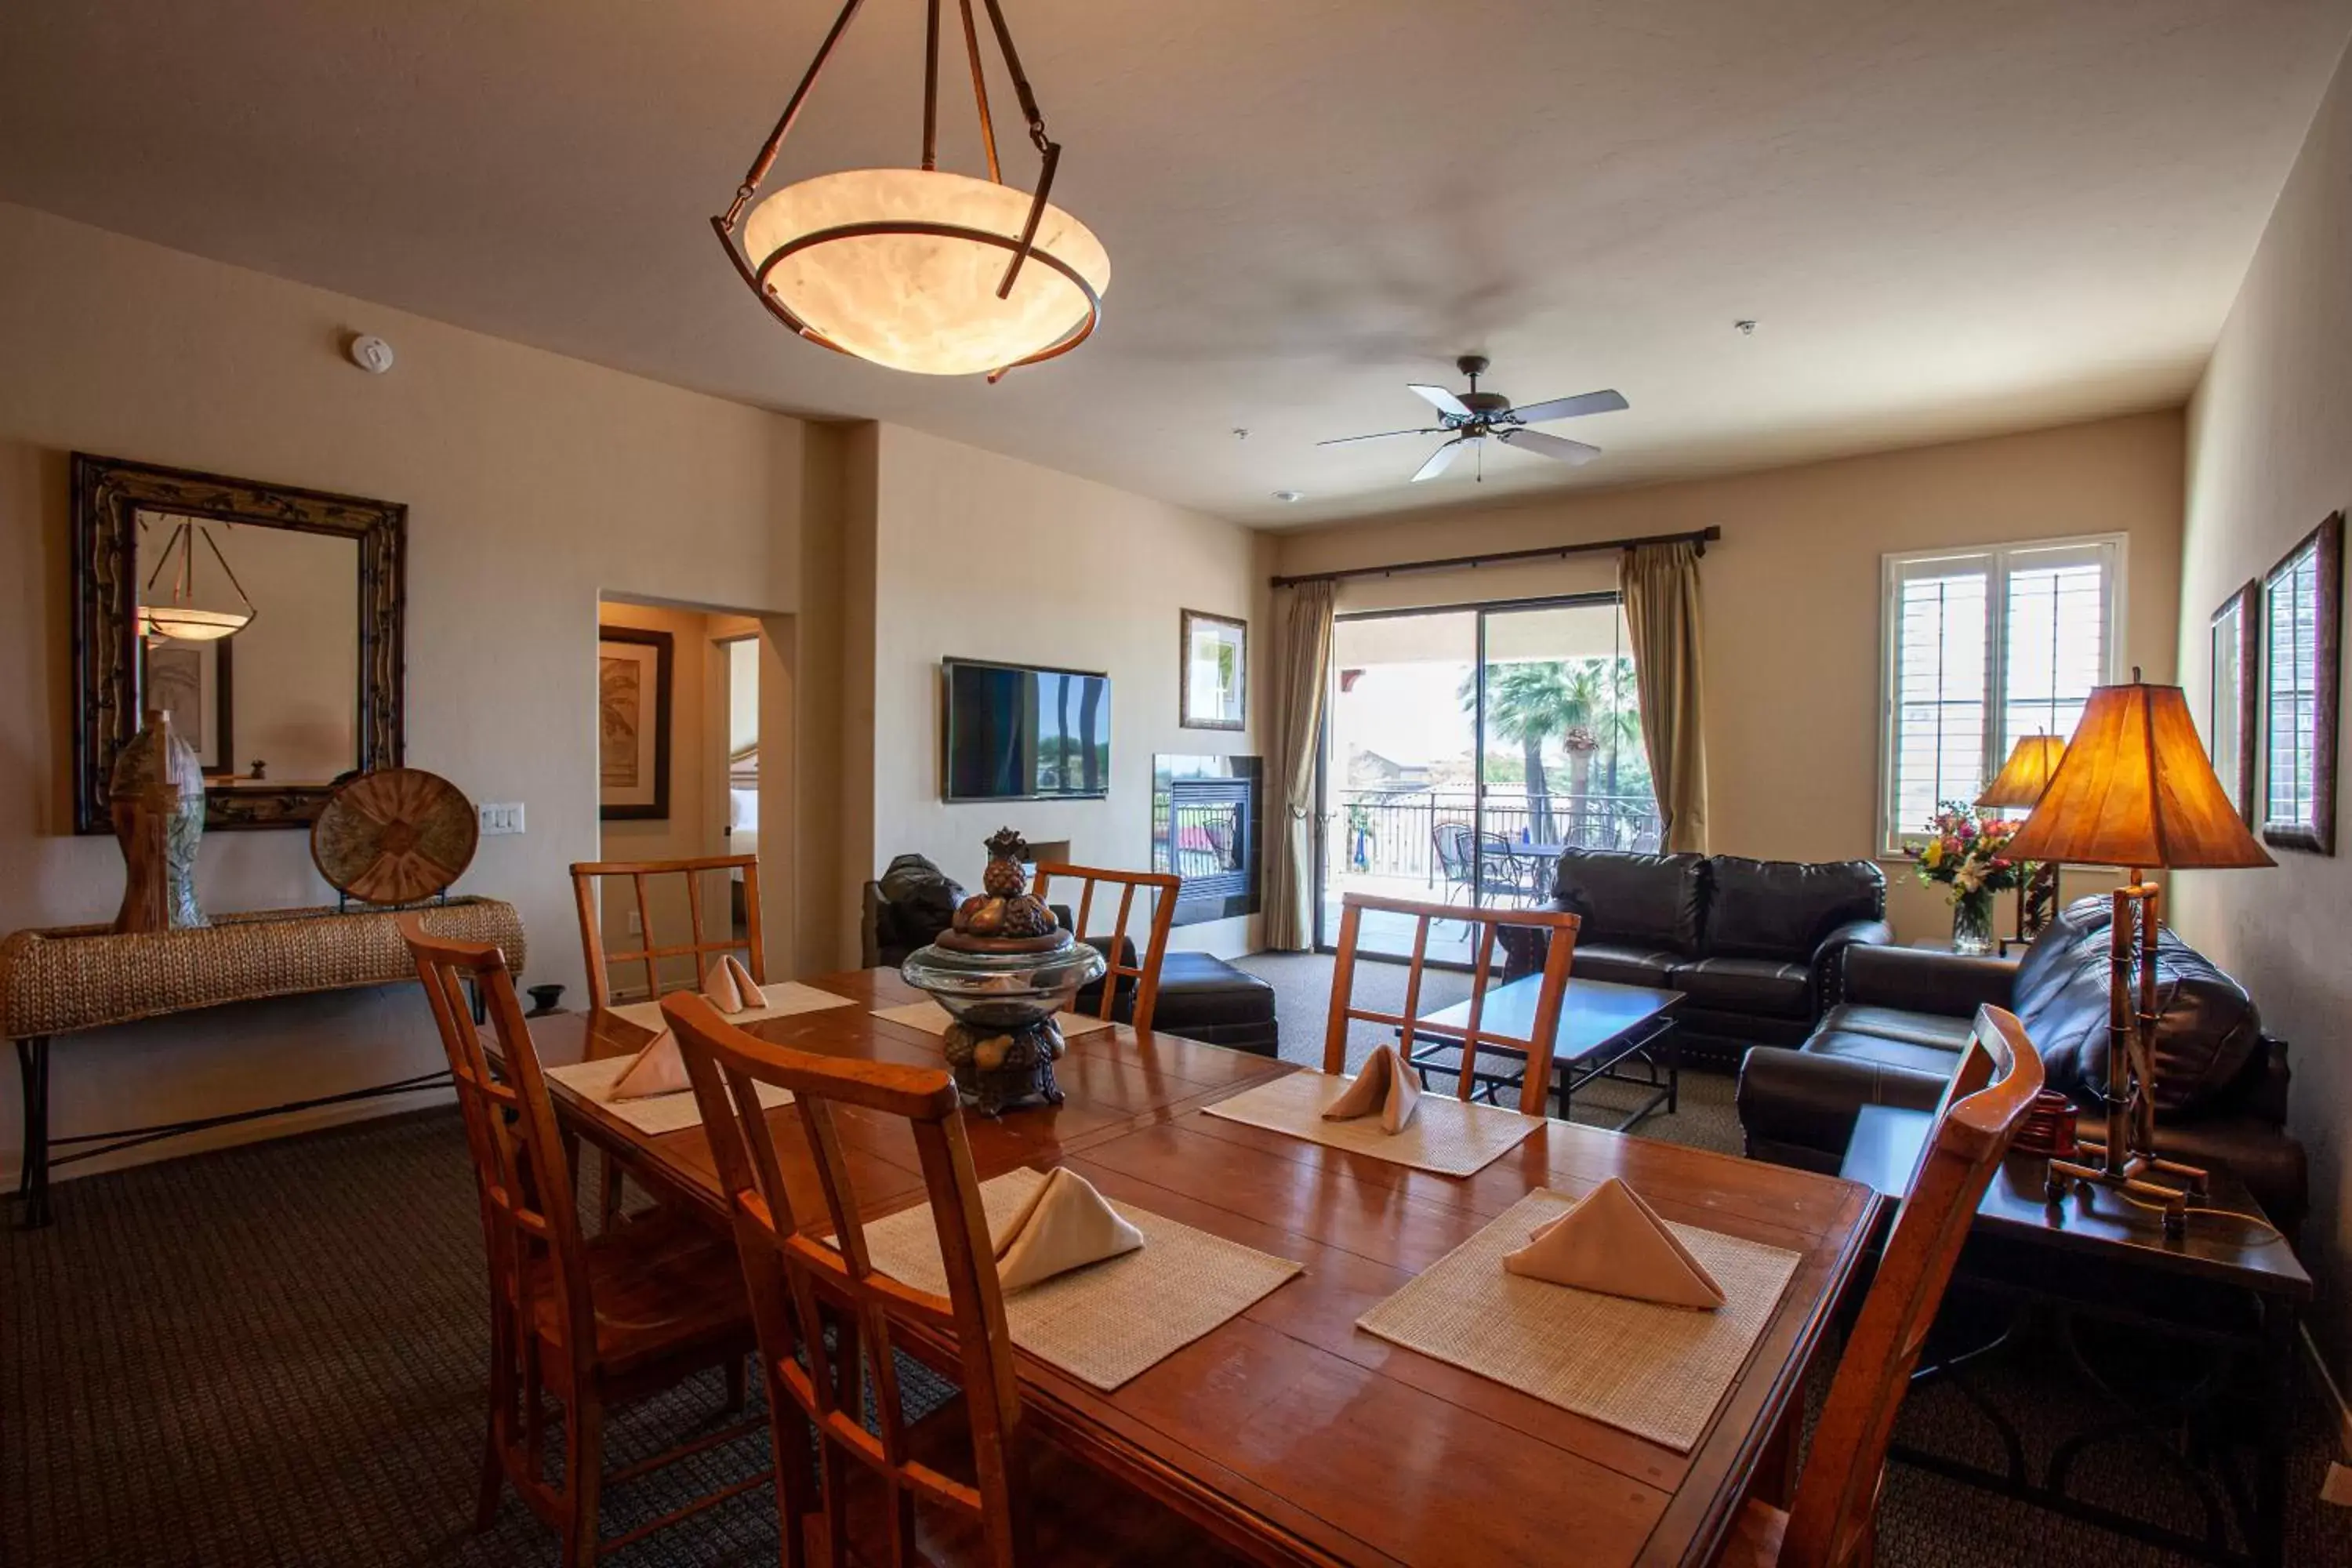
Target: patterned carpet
[(274, 1354)]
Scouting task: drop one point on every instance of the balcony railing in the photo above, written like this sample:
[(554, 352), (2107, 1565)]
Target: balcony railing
[(1394, 833)]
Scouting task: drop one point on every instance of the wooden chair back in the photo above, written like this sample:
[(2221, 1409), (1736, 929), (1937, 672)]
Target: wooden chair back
[(700, 946), (799, 1286), (1145, 971), (1534, 1088), (2001, 1072), (530, 1217)]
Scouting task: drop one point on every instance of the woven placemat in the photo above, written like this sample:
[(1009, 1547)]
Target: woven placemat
[(1656, 1372), (1109, 1321), (932, 1018), (1445, 1135), (782, 1002), (648, 1113)]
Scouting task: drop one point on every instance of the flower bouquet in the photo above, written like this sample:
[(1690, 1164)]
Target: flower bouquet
[(1969, 855)]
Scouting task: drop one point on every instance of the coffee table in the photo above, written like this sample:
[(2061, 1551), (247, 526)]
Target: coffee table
[(1603, 1025)]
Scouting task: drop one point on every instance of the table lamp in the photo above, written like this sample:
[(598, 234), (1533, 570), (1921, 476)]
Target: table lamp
[(2134, 789), (2020, 785)]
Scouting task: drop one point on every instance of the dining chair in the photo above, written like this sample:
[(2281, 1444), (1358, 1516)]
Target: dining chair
[(1483, 925), (968, 1482), (701, 944), (589, 1321), (1828, 1523), (1125, 964)]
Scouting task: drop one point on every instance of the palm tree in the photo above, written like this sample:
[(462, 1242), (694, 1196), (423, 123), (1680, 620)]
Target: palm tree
[(1578, 702)]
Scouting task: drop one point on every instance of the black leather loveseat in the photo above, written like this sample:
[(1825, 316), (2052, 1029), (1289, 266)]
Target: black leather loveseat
[(1894, 1031), (1751, 944)]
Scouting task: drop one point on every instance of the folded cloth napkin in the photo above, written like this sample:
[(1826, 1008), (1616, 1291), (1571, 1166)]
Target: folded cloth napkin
[(1065, 1224), (658, 1068), (727, 986), (1386, 1085), (1614, 1243)]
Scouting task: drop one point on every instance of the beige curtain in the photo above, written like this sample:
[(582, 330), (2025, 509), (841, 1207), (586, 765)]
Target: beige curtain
[(1302, 674), (1660, 584)]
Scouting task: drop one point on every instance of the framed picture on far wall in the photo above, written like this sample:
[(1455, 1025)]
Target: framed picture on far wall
[(2302, 613), (1213, 686), (190, 681), (633, 675), (2237, 636)]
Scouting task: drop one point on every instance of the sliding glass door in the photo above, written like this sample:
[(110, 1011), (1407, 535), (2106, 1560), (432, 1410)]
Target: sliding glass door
[(1464, 747)]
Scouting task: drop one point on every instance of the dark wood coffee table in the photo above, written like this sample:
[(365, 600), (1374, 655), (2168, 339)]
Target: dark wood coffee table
[(2223, 1301), (1602, 1027)]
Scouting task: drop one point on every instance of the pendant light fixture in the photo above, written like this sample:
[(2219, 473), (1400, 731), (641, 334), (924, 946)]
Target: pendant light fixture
[(176, 617), (920, 270)]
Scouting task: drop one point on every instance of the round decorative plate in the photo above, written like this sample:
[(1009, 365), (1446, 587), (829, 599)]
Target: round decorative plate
[(394, 835)]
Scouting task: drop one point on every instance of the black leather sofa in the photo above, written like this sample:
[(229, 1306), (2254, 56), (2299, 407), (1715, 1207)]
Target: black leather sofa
[(1894, 1031), (1200, 997), (1752, 944)]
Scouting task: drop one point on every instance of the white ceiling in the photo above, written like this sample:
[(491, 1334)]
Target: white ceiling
[(1949, 218)]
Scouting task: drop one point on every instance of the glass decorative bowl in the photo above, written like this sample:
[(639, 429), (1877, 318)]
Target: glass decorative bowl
[(1002, 1041)]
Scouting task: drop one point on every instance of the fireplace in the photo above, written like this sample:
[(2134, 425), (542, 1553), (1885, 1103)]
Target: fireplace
[(1207, 829)]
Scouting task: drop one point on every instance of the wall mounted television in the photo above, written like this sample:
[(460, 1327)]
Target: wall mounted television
[(1017, 731)]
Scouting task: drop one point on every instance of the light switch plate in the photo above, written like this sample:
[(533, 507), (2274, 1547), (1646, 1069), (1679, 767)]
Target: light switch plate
[(501, 817)]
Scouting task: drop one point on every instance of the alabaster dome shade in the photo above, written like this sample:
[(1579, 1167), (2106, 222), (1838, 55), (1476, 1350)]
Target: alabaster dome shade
[(924, 302), (182, 624), (2021, 780), (2135, 789)]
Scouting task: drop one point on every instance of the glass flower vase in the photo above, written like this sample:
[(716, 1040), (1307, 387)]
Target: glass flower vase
[(1972, 924)]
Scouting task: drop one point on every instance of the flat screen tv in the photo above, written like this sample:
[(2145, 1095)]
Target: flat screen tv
[(1019, 733)]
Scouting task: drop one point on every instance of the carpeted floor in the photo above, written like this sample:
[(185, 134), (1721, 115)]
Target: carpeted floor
[(274, 1354)]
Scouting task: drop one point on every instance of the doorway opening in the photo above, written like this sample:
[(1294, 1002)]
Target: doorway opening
[(687, 696), (1465, 748)]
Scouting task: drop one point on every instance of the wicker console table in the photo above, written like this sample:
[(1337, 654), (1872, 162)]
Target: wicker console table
[(75, 978)]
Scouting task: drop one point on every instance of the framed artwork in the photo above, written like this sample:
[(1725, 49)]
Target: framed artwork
[(2237, 663), (632, 677), (1213, 686), (2302, 613), (190, 681)]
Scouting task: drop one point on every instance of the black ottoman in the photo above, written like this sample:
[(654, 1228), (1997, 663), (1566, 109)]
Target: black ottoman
[(1201, 998)]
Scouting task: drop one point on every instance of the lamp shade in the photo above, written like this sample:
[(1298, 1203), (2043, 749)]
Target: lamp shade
[(2135, 788), (182, 624), (894, 265), (2022, 778)]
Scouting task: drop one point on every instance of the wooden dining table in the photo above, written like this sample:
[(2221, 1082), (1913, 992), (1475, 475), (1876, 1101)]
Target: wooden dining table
[(1289, 1431)]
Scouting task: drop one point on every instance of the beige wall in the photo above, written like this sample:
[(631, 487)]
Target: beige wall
[(1791, 596), (2270, 454), (982, 556), (533, 483)]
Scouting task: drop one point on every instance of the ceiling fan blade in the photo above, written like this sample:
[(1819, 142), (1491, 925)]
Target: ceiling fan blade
[(1381, 435), (1442, 458), (1442, 400), (1607, 402), (1543, 446)]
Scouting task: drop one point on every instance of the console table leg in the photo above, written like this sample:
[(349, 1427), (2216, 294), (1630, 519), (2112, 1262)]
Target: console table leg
[(33, 1174)]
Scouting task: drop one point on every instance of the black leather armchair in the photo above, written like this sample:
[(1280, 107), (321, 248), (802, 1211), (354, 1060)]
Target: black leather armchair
[(1900, 1017), (1753, 945)]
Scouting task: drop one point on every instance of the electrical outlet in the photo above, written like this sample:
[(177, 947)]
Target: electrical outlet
[(504, 817), (636, 925)]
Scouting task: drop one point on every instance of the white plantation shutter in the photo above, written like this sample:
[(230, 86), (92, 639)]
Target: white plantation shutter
[(1983, 647)]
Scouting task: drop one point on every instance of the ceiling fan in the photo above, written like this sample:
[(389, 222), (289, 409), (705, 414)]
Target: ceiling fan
[(1472, 416)]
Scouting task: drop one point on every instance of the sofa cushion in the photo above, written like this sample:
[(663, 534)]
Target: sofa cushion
[(1624, 963), (2206, 1032), (1782, 908), (1638, 901), (1950, 1034), (1925, 1061), (1745, 985)]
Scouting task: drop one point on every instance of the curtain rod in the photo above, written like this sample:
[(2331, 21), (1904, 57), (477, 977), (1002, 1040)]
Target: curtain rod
[(1699, 537)]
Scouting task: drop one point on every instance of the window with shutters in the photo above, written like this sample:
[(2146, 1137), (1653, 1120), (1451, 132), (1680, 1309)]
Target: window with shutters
[(1982, 648)]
